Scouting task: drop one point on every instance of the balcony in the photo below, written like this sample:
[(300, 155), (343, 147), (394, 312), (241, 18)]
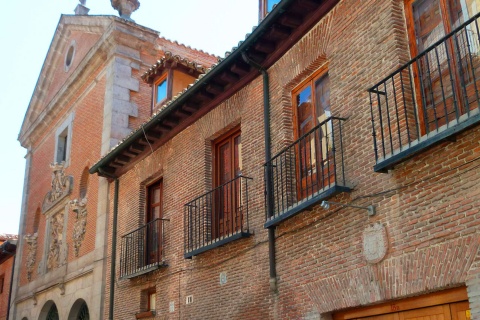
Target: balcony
[(428, 100), (142, 250), (217, 217), (308, 171)]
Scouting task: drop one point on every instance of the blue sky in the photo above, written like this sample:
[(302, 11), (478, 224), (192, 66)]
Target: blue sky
[(27, 28)]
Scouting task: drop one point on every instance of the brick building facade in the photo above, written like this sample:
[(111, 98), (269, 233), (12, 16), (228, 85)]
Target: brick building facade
[(88, 97), (8, 247), (284, 125)]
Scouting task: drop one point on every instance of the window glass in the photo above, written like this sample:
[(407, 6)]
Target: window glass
[(62, 146), (151, 300), (162, 90), (270, 4)]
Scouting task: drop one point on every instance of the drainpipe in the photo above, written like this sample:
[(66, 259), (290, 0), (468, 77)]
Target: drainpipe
[(268, 173), (114, 243)]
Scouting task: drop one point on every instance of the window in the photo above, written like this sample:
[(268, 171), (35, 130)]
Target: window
[(161, 89), (154, 214), (227, 214), (152, 297), (447, 73), (266, 6), (314, 152), (2, 280), (63, 141)]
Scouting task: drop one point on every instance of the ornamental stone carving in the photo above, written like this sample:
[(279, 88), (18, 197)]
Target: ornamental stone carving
[(61, 186), (80, 226), (31, 241), (375, 243), (125, 7), (56, 255)]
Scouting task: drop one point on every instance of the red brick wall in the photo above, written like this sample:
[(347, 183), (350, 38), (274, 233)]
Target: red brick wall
[(428, 204), (6, 274)]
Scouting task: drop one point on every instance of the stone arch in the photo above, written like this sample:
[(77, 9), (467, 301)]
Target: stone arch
[(79, 311), (84, 183), (49, 311)]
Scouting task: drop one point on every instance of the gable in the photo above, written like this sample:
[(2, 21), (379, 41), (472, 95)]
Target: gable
[(74, 38)]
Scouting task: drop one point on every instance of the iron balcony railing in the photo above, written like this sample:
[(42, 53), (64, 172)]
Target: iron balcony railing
[(217, 217), (432, 97), (142, 250), (307, 171)]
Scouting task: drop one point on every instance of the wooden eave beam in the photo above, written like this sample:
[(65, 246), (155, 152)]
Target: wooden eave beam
[(145, 142), (122, 158), (278, 32), (306, 4), (240, 68), (214, 88), (256, 56), (264, 46), (291, 20), (136, 148), (190, 107), (229, 77)]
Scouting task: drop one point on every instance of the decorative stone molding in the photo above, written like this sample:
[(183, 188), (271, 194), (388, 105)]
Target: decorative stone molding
[(375, 243), (61, 186), (61, 286), (80, 226), (31, 241), (35, 300), (125, 7), (56, 255)]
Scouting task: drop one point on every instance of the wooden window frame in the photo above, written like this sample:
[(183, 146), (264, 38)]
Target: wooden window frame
[(168, 77), (149, 218), (413, 47), (309, 82), (229, 136)]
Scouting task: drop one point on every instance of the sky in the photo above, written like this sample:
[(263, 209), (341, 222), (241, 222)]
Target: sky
[(26, 31)]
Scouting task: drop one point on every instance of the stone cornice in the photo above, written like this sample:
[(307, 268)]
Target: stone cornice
[(116, 34)]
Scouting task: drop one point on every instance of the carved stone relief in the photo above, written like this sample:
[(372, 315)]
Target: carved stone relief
[(375, 243), (79, 228), (61, 186), (56, 255), (31, 241)]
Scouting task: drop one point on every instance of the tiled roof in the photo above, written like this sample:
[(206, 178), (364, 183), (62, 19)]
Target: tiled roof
[(171, 58)]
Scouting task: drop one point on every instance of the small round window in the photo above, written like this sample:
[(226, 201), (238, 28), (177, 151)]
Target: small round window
[(69, 56)]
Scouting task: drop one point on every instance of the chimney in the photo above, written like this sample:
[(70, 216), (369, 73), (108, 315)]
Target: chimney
[(81, 10), (125, 7)]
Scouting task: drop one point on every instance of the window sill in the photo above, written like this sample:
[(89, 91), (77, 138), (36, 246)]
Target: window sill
[(144, 315), (305, 204), (217, 243)]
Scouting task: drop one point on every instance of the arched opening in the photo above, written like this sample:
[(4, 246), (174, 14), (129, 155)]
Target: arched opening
[(84, 183), (49, 311), (79, 311)]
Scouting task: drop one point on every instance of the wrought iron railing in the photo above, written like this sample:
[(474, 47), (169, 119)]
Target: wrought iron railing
[(434, 95), (142, 250), (308, 168), (217, 215)]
